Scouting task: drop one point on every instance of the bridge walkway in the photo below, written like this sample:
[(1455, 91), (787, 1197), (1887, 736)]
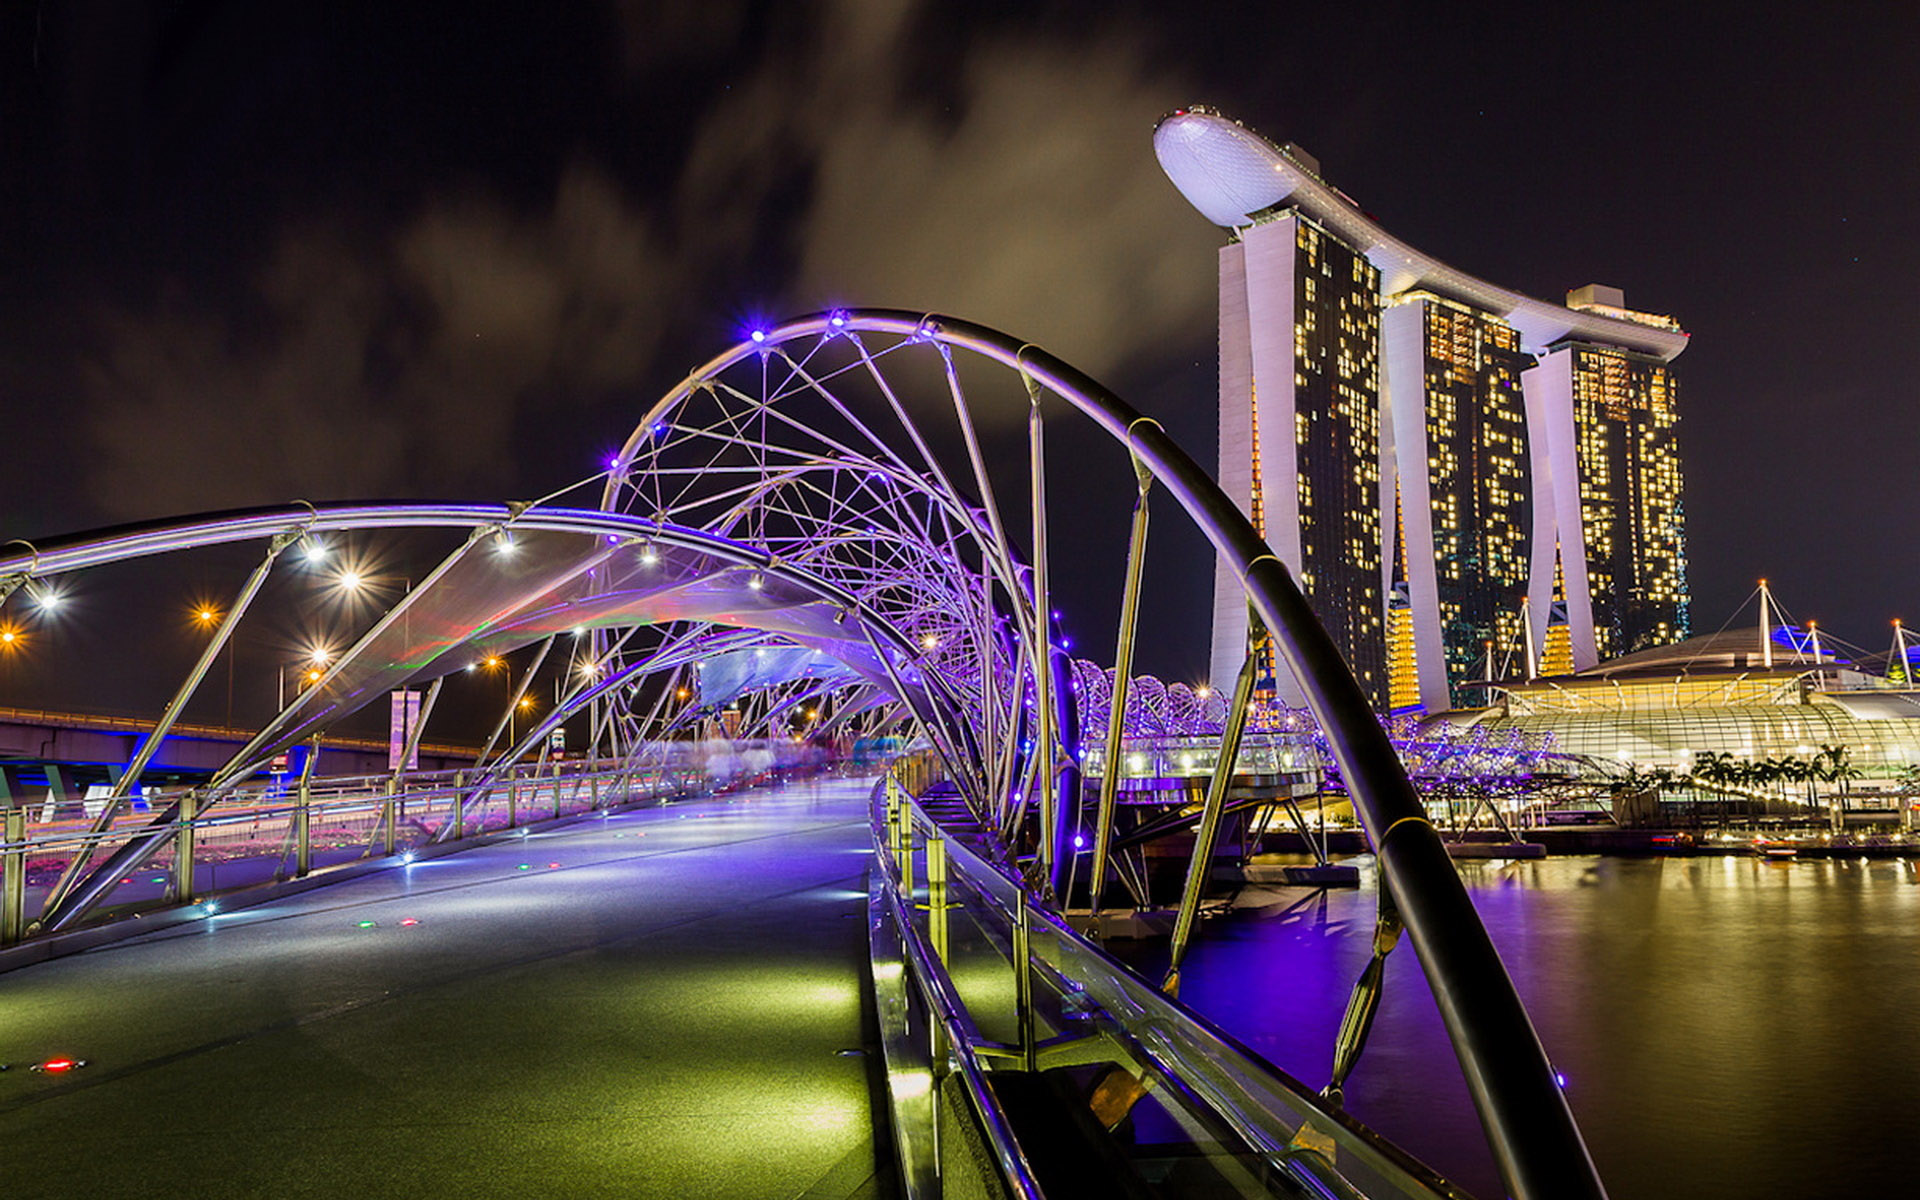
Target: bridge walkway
[(656, 1003)]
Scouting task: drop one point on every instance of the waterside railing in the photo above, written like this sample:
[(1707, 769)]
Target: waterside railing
[(176, 848), (1022, 1061)]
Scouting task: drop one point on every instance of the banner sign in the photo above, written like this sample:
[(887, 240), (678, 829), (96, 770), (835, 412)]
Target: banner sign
[(405, 715)]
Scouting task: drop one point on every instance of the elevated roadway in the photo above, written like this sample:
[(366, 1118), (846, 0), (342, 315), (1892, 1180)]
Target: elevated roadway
[(670, 1001)]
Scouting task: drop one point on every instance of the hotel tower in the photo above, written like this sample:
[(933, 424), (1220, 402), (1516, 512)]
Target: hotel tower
[(1467, 482)]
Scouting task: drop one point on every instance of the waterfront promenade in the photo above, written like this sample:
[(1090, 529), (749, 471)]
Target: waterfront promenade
[(658, 1003)]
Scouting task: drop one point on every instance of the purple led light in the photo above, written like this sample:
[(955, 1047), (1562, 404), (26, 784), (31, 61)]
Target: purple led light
[(758, 336)]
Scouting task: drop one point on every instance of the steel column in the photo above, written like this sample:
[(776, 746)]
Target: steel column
[(180, 890), (1210, 811), (937, 892), (303, 816), (1122, 679), (13, 879), (1045, 778)]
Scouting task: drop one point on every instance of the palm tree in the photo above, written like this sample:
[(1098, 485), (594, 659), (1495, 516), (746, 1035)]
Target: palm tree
[(1801, 771), (1839, 768), (1758, 774)]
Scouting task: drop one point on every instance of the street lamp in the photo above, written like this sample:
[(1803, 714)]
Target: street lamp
[(317, 658), (206, 616)]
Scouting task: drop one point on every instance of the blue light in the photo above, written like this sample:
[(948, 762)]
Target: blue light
[(758, 336), (1560, 1079)]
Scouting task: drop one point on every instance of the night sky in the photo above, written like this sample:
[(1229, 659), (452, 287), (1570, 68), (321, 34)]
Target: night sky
[(255, 252)]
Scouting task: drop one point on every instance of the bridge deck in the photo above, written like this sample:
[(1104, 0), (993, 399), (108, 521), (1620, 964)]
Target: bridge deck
[(652, 1004)]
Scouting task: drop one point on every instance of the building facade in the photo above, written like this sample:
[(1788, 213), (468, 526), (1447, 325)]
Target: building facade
[(1300, 436), (1622, 529), (1462, 457)]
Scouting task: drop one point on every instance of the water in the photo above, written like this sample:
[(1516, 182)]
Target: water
[(1727, 1026)]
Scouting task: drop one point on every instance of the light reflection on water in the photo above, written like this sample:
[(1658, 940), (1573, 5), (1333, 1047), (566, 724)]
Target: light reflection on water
[(1727, 1026)]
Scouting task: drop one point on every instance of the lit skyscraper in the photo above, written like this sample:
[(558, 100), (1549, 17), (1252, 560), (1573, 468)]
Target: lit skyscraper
[(1453, 443), (1299, 406), (1615, 410), (1458, 441)]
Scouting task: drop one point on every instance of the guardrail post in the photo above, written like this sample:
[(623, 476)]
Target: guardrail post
[(513, 797), (389, 817), (13, 879), (1023, 976), (903, 856), (303, 830), (182, 889), (937, 892)]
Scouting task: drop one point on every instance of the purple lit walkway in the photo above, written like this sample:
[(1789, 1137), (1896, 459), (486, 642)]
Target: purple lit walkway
[(650, 1005)]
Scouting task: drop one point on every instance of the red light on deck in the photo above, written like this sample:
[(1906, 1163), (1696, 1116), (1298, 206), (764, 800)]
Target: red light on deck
[(409, 920), (59, 1066)]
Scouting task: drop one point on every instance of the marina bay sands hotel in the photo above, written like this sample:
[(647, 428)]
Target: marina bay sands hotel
[(1467, 482)]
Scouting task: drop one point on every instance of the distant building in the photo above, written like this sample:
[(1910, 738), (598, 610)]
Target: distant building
[(1305, 455), (1462, 478), (1461, 453), (1720, 694), (1626, 516)]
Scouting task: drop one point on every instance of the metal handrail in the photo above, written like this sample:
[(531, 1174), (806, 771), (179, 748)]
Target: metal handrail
[(963, 1037), (1238, 1088), (352, 797), (358, 792), (1529, 1125)]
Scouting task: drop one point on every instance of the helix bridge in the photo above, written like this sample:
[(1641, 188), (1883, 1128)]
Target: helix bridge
[(845, 527)]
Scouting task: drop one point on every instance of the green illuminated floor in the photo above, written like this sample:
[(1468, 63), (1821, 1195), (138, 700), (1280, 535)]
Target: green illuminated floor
[(654, 1005)]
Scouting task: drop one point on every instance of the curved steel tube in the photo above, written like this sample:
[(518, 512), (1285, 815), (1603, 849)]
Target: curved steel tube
[(1529, 1126), (170, 535)]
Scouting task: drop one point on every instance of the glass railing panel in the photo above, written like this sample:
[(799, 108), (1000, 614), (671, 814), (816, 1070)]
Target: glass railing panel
[(250, 835), (1190, 1111), (241, 843)]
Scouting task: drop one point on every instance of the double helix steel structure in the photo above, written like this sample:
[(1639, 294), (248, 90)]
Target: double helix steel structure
[(842, 525)]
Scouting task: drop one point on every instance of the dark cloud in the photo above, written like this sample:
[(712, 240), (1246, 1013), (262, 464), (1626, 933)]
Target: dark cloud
[(404, 359), (361, 368), (1019, 201)]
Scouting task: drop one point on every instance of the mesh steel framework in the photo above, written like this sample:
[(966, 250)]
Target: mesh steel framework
[(815, 516)]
